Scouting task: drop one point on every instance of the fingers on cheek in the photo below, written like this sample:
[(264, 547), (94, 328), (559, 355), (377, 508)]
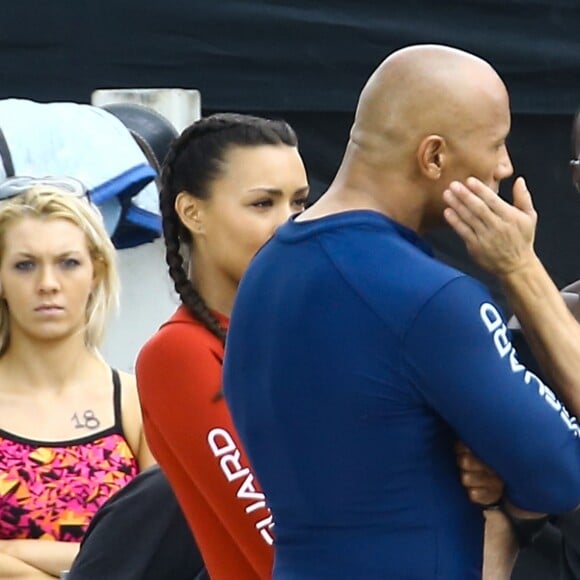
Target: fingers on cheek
[(453, 218), (478, 187), (467, 479), (476, 206), (468, 193), (470, 463), (454, 213), (449, 214), (474, 210)]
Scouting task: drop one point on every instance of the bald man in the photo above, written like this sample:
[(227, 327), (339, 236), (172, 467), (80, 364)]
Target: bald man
[(355, 360)]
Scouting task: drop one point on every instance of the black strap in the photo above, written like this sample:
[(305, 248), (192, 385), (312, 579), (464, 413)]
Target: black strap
[(117, 400), (5, 156)]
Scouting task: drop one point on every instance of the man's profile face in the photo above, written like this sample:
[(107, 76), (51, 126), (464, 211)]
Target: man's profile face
[(478, 148)]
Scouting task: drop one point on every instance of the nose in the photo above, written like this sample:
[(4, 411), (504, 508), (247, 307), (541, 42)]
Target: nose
[(48, 280), (504, 166)]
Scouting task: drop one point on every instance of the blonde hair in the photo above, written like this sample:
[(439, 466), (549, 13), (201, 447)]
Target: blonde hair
[(50, 202)]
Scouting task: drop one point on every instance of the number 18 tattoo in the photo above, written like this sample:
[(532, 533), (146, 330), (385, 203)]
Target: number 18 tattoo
[(87, 421)]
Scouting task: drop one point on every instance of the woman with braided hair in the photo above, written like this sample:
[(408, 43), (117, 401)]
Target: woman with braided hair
[(227, 183)]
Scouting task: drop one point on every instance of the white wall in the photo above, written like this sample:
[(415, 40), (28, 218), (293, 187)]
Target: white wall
[(147, 296), (180, 106), (147, 300)]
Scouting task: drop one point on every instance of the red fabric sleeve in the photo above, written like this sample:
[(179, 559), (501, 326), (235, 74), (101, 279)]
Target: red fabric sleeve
[(194, 441)]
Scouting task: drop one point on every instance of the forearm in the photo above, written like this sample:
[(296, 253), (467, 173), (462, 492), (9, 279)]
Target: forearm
[(46, 556), (551, 330), (500, 547), (14, 569)]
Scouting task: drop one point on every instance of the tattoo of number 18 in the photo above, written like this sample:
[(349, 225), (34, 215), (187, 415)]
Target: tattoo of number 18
[(86, 421)]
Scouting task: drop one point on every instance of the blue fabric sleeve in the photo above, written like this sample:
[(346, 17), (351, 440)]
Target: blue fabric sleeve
[(458, 354)]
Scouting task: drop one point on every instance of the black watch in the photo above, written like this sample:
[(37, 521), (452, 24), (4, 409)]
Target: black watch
[(525, 529)]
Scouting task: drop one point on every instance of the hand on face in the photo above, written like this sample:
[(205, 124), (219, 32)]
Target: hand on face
[(483, 485), (498, 236)]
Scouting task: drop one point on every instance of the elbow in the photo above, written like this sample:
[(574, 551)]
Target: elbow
[(554, 489)]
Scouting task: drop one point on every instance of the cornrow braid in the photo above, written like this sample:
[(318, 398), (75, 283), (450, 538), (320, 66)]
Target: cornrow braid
[(193, 161)]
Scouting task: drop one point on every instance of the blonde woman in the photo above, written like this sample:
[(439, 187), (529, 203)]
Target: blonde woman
[(70, 426)]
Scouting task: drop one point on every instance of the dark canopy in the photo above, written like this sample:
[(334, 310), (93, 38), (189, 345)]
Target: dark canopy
[(280, 55)]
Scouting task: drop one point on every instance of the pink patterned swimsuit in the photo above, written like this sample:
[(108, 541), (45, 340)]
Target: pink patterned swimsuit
[(51, 490)]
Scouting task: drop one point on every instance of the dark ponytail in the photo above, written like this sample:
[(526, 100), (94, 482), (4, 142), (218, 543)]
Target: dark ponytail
[(193, 161)]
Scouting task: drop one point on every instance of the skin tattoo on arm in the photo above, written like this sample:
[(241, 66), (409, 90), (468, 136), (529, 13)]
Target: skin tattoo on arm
[(86, 420)]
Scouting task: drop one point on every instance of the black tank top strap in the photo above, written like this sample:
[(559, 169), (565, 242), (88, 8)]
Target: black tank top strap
[(117, 401)]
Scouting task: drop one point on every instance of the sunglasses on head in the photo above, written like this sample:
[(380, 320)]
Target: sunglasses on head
[(13, 186)]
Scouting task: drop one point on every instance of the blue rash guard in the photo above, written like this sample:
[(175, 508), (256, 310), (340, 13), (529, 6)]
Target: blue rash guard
[(354, 362)]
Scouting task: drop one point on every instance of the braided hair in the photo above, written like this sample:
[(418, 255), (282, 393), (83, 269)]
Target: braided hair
[(193, 161)]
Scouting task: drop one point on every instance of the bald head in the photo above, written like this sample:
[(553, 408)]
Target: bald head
[(421, 90), (428, 115)]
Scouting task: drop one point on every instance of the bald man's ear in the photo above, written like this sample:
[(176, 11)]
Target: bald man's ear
[(431, 156), (190, 212)]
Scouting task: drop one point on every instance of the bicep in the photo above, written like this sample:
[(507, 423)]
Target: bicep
[(133, 422)]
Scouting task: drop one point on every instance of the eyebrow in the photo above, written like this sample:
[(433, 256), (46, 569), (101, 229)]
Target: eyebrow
[(26, 254), (278, 192)]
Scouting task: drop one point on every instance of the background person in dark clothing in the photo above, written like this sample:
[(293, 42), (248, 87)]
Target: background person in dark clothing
[(139, 534)]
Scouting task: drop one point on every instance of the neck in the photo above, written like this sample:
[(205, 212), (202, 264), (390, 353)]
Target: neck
[(360, 185), (217, 290), (52, 365)]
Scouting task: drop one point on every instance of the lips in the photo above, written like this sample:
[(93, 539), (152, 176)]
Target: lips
[(48, 308)]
